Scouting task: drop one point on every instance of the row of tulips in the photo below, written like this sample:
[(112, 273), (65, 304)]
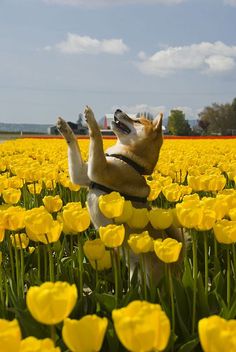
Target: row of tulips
[(46, 237), (140, 326)]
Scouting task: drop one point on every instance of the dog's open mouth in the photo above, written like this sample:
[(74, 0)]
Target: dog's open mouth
[(121, 126)]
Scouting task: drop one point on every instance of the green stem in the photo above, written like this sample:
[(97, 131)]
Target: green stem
[(205, 234), (38, 262), (215, 255), (59, 258), (228, 275), (45, 263), (22, 266), (143, 275), (1, 290), (11, 259), (120, 282), (171, 299), (81, 267), (128, 265), (234, 263), (17, 268), (115, 272), (51, 263), (96, 274), (195, 272), (53, 333)]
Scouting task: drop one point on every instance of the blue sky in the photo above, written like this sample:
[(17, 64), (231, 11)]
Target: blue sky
[(139, 55)]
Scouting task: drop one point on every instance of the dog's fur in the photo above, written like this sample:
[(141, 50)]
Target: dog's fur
[(139, 140)]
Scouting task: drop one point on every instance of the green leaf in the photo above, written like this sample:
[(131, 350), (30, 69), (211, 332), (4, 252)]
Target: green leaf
[(232, 311), (130, 296), (218, 283), (189, 346), (202, 300), (187, 276), (106, 301), (30, 327), (182, 310)]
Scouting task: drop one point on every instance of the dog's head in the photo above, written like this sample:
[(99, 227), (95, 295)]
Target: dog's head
[(139, 136)]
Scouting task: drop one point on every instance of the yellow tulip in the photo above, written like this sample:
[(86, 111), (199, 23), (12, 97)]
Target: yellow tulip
[(155, 189), (52, 235), (14, 218), (112, 235), (31, 344), (86, 334), (111, 205), (141, 242), (167, 250), (20, 240), (94, 250), (76, 220), (232, 214), (219, 206), (217, 334), (126, 214), (73, 187), (142, 326), (38, 220), (160, 218), (139, 218), (35, 188), (104, 263), (189, 214), (172, 192), (15, 182), (11, 195), (52, 204), (2, 233), (207, 221), (10, 336), (225, 231), (51, 302)]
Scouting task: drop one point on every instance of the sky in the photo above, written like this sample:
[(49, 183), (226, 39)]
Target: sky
[(138, 55)]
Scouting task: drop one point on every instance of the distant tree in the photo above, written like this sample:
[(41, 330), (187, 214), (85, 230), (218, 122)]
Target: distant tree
[(219, 118), (203, 125), (147, 115), (177, 124)]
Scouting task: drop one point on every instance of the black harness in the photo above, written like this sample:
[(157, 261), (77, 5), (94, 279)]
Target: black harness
[(140, 169)]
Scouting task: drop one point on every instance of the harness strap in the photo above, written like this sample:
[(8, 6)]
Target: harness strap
[(130, 162), (94, 185)]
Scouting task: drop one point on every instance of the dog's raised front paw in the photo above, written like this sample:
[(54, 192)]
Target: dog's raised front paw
[(65, 129), (89, 115)]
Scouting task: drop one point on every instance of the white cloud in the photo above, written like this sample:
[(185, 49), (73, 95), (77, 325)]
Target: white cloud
[(230, 2), (76, 44), (205, 57), (96, 3)]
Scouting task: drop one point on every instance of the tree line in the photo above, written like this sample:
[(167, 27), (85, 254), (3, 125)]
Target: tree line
[(218, 119)]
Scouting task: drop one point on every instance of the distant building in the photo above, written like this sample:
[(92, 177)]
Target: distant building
[(77, 128)]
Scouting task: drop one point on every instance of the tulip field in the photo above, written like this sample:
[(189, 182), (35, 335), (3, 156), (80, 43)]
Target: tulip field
[(65, 286)]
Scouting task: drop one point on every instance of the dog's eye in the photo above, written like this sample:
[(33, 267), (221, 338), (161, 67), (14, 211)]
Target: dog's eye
[(137, 121)]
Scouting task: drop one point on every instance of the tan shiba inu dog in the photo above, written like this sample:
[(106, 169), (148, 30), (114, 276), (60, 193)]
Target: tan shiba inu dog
[(123, 165)]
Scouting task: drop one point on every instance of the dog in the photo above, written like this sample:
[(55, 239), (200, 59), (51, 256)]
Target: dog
[(121, 168)]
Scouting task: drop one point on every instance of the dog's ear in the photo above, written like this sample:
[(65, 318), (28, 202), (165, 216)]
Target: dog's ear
[(157, 123)]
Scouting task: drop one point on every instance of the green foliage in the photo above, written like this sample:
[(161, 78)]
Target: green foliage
[(177, 124), (218, 119)]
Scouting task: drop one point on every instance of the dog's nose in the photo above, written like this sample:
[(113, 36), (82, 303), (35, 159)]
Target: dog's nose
[(118, 111)]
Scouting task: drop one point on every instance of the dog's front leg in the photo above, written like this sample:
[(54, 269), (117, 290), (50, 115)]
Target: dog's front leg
[(78, 170), (97, 161)]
